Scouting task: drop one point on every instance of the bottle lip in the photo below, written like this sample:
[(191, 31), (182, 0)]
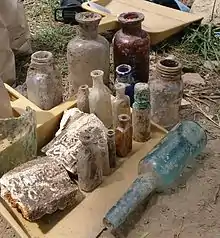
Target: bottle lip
[(123, 69), (131, 17), (123, 118), (169, 65), (84, 87), (97, 73), (42, 57), (88, 17), (120, 87), (110, 132)]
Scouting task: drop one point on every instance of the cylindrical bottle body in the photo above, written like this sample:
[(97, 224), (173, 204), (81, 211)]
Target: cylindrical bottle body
[(111, 148), (179, 147), (166, 90), (83, 98), (44, 84)]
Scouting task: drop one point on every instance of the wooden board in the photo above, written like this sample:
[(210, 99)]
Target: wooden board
[(85, 221), (160, 22)]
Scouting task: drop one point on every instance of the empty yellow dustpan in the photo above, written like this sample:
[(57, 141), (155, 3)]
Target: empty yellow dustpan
[(161, 22)]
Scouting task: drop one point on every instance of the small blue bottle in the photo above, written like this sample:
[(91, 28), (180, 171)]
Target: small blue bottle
[(159, 169), (124, 75)]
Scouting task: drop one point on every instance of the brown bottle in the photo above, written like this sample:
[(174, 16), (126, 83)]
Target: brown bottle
[(89, 167), (111, 148), (131, 45), (166, 90), (83, 98), (123, 135)]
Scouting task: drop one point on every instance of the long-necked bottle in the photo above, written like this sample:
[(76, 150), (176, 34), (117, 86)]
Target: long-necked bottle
[(83, 98), (44, 84), (87, 51), (111, 148), (131, 45), (159, 168), (124, 75), (121, 103), (100, 99)]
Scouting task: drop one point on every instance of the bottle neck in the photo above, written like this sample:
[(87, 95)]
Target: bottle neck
[(97, 77), (132, 29), (124, 120), (88, 31)]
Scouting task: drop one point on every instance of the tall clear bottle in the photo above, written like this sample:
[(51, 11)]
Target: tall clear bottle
[(87, 51), (166, 90), (44, 84), (100, 99), (121, 103)]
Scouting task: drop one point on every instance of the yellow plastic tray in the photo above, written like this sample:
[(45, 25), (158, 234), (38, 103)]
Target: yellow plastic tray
[(160, 22), (47, 121), (85, 220)]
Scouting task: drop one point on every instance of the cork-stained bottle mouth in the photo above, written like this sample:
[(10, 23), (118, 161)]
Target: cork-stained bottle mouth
[(42, 56), (131, 17), (88, 17)]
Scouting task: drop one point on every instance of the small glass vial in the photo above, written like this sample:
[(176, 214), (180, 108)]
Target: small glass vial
[(104, 156), (100, 99), (123, 135), (89, 167), (111, 148), (83, 98), (121, 103), (124, 75), (141, 113)]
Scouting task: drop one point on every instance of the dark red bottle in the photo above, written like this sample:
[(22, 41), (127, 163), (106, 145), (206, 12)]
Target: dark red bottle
[(131, 45)]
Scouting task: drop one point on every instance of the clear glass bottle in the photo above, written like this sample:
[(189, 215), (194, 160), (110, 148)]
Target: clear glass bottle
[(166, 90), (124, 75), (123, 135), (104, 156), (160, 168), (111, 148), (141, 113), (87, 51), (44, 83), (121, 103), (83, 98), (5, 107), (100, 99), (89, 168), (131, 45)]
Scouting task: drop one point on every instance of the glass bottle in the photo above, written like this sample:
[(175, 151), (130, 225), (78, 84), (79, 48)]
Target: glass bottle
[(160, 168), (141, 113), (100, 99), (83, 98), (124, 75), (104, 156), (5, 107), (111, 148), (166, 89), (89, 168), (131, 45), (123, 135), (121, 103), (87, 52), (44, 84)]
